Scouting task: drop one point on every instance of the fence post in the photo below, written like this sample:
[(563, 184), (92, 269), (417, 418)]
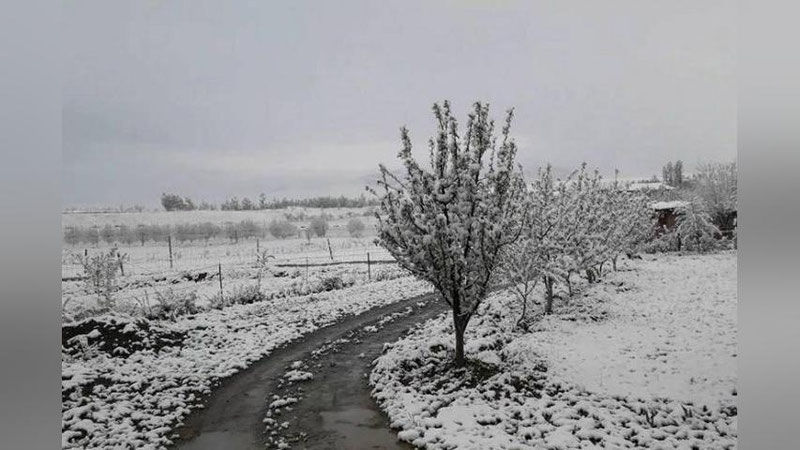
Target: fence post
[(369, 271), (169, 242), (220, 282), (258, 247), (86, 253), (121, 268), (330, 250)]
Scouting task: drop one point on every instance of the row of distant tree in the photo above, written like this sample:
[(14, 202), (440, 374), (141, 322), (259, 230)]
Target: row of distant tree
[(279, 228), (175, 202)]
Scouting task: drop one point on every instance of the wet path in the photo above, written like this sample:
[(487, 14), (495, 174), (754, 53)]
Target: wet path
[(334, 409)]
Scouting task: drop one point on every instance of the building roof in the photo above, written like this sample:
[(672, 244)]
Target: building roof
[(661, 206), (654, 186)]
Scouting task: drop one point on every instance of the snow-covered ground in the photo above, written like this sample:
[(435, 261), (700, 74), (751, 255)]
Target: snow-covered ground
[(118, 397), (646, 359)]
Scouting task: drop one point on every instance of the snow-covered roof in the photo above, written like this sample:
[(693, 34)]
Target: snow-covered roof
[(658, 206), (649, 186)]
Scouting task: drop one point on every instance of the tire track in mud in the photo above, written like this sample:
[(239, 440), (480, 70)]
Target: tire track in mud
[(275, 403)]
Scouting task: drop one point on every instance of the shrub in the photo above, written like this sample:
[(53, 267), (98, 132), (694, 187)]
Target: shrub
[(319, 226), (72, 235), (355, 227), (695, 229), (332, 283), (245, 295), (282, 228), (101, 275), (173, 304), (249, 229)]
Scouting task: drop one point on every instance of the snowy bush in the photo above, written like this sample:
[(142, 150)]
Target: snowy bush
[(716, 185), (319, 226), (695, 229), (282, 229), (448, 223), (100, 274), (355, 227)]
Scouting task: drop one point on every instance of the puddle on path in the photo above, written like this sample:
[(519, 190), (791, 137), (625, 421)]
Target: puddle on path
[(361, 428)]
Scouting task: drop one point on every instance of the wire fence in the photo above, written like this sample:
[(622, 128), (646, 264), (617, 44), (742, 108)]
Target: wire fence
[(173, 259)]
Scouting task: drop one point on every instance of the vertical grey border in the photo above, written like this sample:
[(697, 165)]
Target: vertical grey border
[(769, 187), (30, 231)]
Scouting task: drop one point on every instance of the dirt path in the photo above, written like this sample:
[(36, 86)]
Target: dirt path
[(333, 410)]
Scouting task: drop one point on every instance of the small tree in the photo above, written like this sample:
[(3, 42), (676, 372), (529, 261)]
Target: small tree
[(282, 228), (355, 227), (716, 184), (448, 223), (695, 229), (100, 275), (319, 226)]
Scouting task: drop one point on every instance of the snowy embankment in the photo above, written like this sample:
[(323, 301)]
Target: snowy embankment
[(646, 359), (128, 383)]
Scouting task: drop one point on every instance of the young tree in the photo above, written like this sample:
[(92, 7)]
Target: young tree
[(355, 227), (282, 228), (172, 202), (716, 185), (695, 229), (319, 226), (667, 174), (247, 204), (448, 223), (551, 225), (677, 172), (522, 265)]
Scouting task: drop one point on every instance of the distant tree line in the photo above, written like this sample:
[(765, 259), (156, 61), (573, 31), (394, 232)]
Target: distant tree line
[(281, 228), (175, 202)]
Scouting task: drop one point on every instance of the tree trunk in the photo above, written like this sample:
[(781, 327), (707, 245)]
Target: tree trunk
[(590, 275), (460, 325), (548, 288), (568, 281), (524, 310)]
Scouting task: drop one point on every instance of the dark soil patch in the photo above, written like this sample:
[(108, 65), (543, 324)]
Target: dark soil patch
[(117, 337)]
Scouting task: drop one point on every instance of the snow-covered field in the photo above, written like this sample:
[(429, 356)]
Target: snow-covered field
[(129, 387), (645, 359), (195, 269)]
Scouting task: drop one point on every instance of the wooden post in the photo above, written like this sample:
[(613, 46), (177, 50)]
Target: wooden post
[(86, 252), (369, 272), (141, 235), (169, 242), (330, 250), (220, 282), (258, 247), (121, 268)]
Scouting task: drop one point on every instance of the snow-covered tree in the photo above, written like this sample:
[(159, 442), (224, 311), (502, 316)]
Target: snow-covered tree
[(549, 230), (448, 223), (694, 227), (716, 185), (632, 223)]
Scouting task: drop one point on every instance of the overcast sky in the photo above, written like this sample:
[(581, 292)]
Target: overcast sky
[(292, 98)]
